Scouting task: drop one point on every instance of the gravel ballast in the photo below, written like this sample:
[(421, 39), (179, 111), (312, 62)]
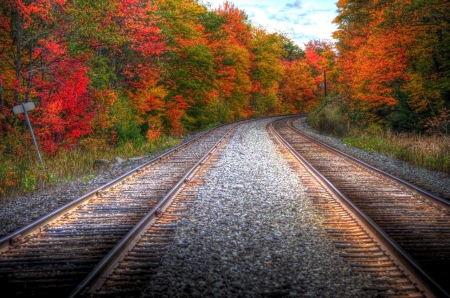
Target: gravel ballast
[(252, 232), (434, 182)]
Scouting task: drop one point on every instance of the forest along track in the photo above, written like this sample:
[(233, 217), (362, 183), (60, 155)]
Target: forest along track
[(51, 256), (416, 223)]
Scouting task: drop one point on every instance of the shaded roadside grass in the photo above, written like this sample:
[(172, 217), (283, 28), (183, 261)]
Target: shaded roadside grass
[(430, 152), (20, 172)]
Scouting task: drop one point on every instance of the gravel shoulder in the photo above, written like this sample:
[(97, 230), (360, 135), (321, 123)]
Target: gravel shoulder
[(434, 182), (252, 232)]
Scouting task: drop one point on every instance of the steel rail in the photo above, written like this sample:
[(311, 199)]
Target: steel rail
[(408, 185), (39, 224), (417, 275), (95, 279)]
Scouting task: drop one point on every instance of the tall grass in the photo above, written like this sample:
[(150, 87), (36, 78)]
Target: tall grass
[(330, 119), (20, 171), (430, 152), (425, 151)]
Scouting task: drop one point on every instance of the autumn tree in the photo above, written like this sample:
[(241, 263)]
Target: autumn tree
[(372, 57), (267, 71), (124, 44), (427, 89), (320, 55), (233, 62), (38, 66), (394, 58), (188, 64), (298, 89)]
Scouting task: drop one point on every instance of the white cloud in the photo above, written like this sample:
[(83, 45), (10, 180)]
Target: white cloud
[(300, 20), (296, 4)]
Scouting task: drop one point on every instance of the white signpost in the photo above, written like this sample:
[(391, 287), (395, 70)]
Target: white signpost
[(24, 108), (28, 106)]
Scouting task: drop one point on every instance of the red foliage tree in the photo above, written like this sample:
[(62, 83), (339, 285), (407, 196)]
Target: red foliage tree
[(39, 68)]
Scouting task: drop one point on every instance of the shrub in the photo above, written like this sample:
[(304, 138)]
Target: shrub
[(330, 119)]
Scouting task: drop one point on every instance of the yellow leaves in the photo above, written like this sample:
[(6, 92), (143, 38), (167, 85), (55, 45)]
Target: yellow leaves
[(150, 99), (158, 91), (268, 50), (182, 17), (420, 96)]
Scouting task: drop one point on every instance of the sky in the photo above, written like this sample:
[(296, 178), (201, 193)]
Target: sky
[(300, 20)]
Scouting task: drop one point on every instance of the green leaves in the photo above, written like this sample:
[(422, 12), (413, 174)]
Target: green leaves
[(101, 72)]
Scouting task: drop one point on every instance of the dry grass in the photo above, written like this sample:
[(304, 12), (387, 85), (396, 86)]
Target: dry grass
[(22, 173), (425, 151)]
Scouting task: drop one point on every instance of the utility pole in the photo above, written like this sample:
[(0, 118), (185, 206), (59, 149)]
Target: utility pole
[(325, 82)]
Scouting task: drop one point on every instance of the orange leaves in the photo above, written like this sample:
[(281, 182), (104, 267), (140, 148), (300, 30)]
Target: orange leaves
[(12, 178), (235, 23), (5, 23), (379, 65), (181, 103), (231, 45), (102, 101), (393, 57), (321, 56), (42, 70), (312, 53), (298, 88), (38, 9), (51, 49), (175, 110), (153, 135), (373, 55), (140, 29), (148, 41)]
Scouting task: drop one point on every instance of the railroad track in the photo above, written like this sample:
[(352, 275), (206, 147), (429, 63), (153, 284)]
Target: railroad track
[(385, 227), (128, 276), (62, 253)]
